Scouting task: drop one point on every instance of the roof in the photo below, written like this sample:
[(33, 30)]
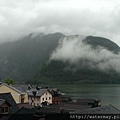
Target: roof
[(49, 110), (27, 114), (86, 100), (55, 89), (1, 101), (66, 98), (8, 97), (76, 107), (12, 87), (38, 92), (22, 88), (68, 107), (25, 105), (1, 83), (108, 109), (4, 101)]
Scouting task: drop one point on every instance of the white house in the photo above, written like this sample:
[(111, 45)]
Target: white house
[(36, 97)]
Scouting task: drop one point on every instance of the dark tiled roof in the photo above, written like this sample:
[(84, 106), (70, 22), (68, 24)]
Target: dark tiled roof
[(49, 110), (67, 98), (8, 97), (38, 92), (1, 83), (23, 114), (108, 109), (25, 105), (67, 107), (86, 100), (22, 88), (4, 101), (1, 101), (76, 107)]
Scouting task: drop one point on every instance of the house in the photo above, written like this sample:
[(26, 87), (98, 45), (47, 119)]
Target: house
[(39, 97), (56, 95), (4, 107), (19, 96), (8, 97)]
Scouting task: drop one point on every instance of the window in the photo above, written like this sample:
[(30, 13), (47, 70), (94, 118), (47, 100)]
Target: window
[(38, 99), (46, 98), (43, 99), (49, 98), (4, 109)]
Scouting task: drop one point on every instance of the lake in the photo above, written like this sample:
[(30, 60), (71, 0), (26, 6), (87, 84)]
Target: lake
[(108, 93)]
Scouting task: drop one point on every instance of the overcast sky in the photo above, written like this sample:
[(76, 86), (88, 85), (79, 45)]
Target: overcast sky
[(84, 17)]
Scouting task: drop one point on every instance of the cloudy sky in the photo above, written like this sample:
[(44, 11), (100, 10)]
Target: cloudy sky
[(84, 17)]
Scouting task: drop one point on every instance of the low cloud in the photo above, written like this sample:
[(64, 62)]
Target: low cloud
[(71, 49), (85, 17)]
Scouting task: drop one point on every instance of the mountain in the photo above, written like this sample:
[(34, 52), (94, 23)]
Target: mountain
[(86, 70), (104, 42), (28, 59), (21, 59)]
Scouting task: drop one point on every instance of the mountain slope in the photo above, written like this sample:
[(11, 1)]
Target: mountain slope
[(21, 59), (85, 69), (108, 44), (28, 60)]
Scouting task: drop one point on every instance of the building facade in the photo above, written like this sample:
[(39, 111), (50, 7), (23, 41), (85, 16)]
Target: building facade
[(37, 97), (19, 97)]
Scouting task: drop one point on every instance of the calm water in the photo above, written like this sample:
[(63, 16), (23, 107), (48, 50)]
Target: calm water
[(108, 93)]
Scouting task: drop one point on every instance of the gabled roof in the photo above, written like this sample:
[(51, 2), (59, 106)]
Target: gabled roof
[(69, 107), (23, 114), (107, 109), (86, 100), (8, 97), (21, 88), (13, 88), (49, 110), (1, 101), (4, 101), (25, 105), (38, 92), (76, 107)]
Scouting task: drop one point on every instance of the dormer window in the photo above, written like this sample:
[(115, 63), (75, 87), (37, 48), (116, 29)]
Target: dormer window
[(4, 110)]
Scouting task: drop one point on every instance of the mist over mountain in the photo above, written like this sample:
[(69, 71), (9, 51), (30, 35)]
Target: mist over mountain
[(84, 59), (21, 59), (60, 58)]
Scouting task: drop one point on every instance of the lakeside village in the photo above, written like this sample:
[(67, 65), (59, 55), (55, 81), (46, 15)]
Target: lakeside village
[(24, 102)]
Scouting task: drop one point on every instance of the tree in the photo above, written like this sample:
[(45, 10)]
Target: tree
[(9, 81)]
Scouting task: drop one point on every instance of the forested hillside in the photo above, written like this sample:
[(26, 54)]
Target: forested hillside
[(38, 58), (20, 60)]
